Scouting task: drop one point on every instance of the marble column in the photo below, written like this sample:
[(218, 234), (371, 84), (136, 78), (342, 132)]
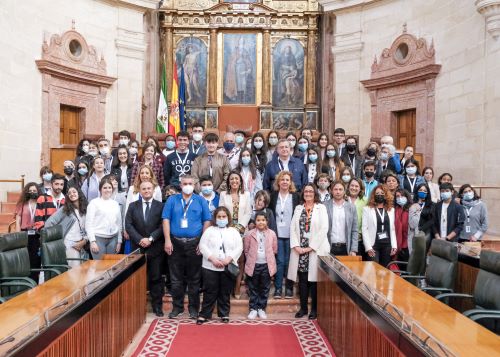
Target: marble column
[(311, 68), (212, 71), (266, 68), (169, 57)]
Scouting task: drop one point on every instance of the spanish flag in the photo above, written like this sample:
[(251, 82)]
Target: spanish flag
[(174, 124)]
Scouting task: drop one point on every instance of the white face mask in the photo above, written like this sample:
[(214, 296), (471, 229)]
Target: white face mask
[(132, 151), (124, 142), (187, 189), (197, 136), (85, 148), (104, 151)]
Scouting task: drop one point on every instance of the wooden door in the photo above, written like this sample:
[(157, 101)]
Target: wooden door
[(406, 128), (69, 133)]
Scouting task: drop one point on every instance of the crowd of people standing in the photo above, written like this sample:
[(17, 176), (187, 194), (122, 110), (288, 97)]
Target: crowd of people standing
[(261, 208)]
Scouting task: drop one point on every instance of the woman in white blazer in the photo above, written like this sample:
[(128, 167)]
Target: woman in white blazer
[(379, 232), (308, 240)]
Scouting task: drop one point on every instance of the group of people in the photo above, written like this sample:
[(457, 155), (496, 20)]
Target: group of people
[(261, 208)]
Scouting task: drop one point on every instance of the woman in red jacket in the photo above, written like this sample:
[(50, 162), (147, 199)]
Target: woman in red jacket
[(403, 203)]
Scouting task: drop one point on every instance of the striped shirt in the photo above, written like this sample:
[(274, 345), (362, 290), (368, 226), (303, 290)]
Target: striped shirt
[(46, 206)]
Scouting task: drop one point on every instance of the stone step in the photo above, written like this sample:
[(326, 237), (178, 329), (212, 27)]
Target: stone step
[(4, 228), (13, 196), (6, 218), (8, 207)]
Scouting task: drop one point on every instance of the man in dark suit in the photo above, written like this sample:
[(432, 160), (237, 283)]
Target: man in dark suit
[(143, 223)]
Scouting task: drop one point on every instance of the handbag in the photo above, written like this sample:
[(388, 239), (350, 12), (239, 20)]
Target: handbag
[(231, 269)]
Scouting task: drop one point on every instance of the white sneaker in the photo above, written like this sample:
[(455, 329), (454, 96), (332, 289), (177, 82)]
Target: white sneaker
[(262, 314), (252, 315)]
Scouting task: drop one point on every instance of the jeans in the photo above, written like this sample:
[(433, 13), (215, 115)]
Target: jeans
[(217, 288), (305, 288), (185, 268), (106, 246), (282, 260), (259, 285)]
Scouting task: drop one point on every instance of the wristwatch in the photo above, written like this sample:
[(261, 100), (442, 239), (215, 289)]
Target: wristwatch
[(150, 239)]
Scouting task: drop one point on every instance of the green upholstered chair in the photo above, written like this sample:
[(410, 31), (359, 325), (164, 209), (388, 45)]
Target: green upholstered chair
[(15, 265), (486, 292), (416, 262), (442, 268), (53, 251)]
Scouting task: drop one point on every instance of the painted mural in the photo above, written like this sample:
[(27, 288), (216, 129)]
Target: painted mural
[(288, 120), (239, 68), (212, 119), (288, 74), (191, 53), (194, 116)]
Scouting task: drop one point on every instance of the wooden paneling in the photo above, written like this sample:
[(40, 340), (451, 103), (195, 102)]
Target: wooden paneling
[(234, 117), (464, 284), (69, 125), (59, 155)]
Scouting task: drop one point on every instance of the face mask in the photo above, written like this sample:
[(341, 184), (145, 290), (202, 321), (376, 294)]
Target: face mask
[(47, 177), (292, 143), (258, 144), (170, 145), (207, 190), (401, 201), (346, 178), (239, 139), (249, 146), (422, 195), (330, 153), (371, 152), (197, 136), (31, 195), (351, 147), (445, 196), (323, 185), (369, 174), (104, 151), (468, 196), (132, 151), (411, 170), (313, 158), (188, 189), (124, 142), (273, 141), (228, 146), (303, 147), (85, 148), (68, 170), (83, 171), (245, 160), (93, 153), (221, 223), (379, 199), (384, 156)]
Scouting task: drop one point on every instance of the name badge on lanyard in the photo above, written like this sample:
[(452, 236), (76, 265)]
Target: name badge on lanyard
[(383, 234), (467, 226), (282, 223), (185, 207)]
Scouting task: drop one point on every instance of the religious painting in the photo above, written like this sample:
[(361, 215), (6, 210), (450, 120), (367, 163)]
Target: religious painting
[(311, 120), (288, 74), (212, 119), (240, 51), (191, 53), (288, 120), (265, 119), (194, 116)]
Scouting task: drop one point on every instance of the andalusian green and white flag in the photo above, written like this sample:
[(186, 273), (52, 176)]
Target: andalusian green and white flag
[(162, 115)]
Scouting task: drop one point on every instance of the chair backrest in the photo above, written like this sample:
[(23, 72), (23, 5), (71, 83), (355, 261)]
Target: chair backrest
[(53, 248), (443, 263), (14, 259), (416, 261), (487, 289)]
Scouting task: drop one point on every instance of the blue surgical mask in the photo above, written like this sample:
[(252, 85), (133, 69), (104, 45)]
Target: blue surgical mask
[(170, 145), (303, 147), (258, 144), (207, 190), (83, 171), (401, 201), (245, 160), (228, 146), (47, 177), (445, 195), (239, 139), (411, 170), (221, 223), (313, 158), (330, 153), (422, 195), (468, 196)]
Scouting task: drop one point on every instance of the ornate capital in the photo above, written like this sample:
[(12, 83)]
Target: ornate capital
[(490, 9)]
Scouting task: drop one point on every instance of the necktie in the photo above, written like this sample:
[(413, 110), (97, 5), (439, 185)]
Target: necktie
[(146, 213)]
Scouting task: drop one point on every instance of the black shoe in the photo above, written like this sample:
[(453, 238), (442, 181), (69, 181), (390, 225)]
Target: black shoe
[(158, 311), (175, 313), (225, 319), (300, 314), (200, 321), (277, 294), (313, 315), (289, 293), (193, 315)]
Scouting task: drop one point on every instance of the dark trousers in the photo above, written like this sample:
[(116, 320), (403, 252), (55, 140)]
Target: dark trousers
[(338, 249), (382, 254), (155, 283), (185, 268), (307, 287), (217, 289), (34, 255), (282, 259), (259, 285)]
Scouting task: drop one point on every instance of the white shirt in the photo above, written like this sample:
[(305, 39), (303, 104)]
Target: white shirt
[(104, 219), (444, 220), (261, 249), (311, 172), (338, 224), (124, 178), (73, 235)]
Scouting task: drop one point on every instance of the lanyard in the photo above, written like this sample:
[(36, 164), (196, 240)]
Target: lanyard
[(185, 158), (412, 184), (283, 204), (32, 211), (308, 219), (353, 161), (382, 216), (193, 150), (281, 165), (185, 206), (468, 213)]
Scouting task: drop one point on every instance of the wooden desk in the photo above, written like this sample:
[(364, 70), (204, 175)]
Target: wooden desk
[(355, 328), (102, 323)]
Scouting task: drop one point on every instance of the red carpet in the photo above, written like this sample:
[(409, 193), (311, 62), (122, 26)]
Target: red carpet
[(263, 338)]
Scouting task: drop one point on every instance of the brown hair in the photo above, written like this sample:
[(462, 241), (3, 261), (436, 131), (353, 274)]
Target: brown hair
[(316, 193), (137, 180), (276, 183), (389, 198), (217, 210), (361, 193)]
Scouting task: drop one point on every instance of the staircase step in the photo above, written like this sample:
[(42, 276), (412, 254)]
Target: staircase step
[(4, 228), (13, 196), (6, 218), (8, 207)]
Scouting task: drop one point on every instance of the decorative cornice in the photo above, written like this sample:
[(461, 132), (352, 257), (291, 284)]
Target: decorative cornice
[(73, 74), (130, 43), (347, 46), (423, 73), (140, 5), (335, 5), (490, 9)]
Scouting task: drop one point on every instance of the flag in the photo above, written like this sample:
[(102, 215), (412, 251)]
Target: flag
[(182, 100), (162, 114), (174, 119)]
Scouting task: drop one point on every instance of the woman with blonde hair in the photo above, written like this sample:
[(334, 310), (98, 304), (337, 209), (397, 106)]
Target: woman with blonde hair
[(145, 173)]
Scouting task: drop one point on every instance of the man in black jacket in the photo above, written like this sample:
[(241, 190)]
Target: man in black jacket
[(448, 215), (143, 223)]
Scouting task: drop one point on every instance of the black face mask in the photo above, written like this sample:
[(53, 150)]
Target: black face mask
[(351, 147), (379, 199), (369, 174), (31, 195), (371, 152), (68, 170)]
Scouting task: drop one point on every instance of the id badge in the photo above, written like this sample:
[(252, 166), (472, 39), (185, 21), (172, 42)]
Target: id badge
[(467, 229), (184, 223), (31, 232), (382, 235)]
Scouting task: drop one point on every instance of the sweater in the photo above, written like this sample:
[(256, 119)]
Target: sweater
[(221, 243), (103, 219)]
